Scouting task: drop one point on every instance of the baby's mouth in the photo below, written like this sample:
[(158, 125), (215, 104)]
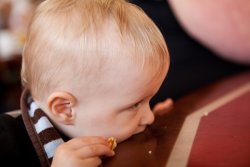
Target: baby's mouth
[(140, 129)]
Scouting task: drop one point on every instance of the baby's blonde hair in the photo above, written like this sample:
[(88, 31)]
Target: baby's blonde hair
[(64, 38)]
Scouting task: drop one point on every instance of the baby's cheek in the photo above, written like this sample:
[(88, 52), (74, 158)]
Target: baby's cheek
[(126, 125), (127, 132)]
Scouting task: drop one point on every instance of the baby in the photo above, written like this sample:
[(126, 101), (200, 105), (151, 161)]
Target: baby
[(89, 70)]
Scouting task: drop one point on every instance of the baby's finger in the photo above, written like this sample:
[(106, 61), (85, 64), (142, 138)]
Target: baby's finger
[(93, 161), (76, 161), (96, 150), (163, 107), (78, 142)]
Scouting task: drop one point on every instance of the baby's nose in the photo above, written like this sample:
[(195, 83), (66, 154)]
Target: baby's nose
[(147, 117)]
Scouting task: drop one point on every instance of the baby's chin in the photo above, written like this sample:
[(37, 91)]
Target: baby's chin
[(140, 130)]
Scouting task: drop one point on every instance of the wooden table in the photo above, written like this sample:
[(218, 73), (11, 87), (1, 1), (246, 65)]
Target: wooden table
[(210, 127)]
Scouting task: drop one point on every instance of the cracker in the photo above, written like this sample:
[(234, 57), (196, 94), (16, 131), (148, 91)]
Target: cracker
[(112, 142)]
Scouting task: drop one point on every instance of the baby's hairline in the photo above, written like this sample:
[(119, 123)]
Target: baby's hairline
[(72, 88), (134, 45)]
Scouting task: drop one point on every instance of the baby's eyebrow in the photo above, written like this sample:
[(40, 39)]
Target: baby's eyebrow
[(139, 100), (130, 104)]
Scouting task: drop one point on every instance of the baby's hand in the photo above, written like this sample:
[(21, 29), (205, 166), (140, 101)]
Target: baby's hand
[(82, 151), (164, 107)]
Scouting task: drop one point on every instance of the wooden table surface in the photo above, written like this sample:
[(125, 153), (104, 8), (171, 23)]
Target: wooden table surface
[(210, 127)]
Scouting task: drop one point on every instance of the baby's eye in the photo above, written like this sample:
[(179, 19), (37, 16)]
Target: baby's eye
[(136, 106)]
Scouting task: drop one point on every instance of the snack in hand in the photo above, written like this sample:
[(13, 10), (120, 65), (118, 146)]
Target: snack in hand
[(112, 142)]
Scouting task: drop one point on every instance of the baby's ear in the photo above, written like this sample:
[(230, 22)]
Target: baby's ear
[(60, 106)]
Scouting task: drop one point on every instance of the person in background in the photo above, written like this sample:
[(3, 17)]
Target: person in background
[(222, 26), (207, 41), (89, 71)]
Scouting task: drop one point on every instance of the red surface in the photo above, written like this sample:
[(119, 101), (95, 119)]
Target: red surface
[(223, 137)]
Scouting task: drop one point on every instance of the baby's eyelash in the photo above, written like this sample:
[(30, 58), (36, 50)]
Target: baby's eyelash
[(136, 105)]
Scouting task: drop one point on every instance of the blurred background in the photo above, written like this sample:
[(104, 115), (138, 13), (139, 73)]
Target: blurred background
[(14, 19)]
